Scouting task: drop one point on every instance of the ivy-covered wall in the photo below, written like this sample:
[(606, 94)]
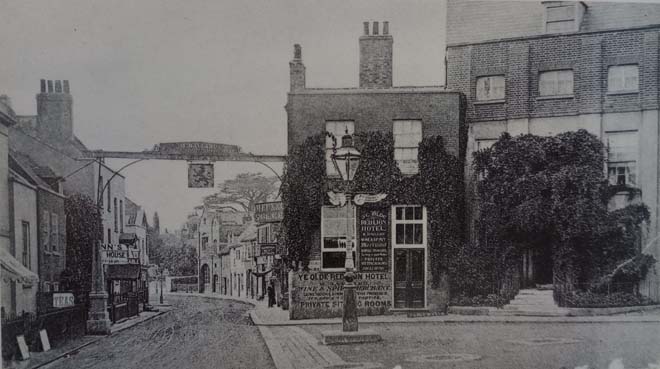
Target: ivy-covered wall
[(438, 186)]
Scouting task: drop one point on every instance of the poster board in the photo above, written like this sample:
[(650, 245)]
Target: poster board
[(373, 240), (45, 343), (22, 347)]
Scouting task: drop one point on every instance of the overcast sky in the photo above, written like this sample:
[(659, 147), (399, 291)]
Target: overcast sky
[(149, 71)]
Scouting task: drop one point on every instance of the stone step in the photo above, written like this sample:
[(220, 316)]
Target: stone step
[(557, 312), (535, 292), (530, 303)]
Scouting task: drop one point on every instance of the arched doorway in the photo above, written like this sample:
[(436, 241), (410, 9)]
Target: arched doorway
[(203, 278)]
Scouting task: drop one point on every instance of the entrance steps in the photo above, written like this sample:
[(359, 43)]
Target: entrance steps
[(532, 302)]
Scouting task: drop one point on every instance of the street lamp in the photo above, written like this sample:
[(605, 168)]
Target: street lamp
[(346, 160)]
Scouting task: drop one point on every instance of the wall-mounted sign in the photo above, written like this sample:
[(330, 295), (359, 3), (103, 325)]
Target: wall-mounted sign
[(197, 148), (119, 254), (373, 240), (268, 212), (267, 249), (63, 299), (200, 175)]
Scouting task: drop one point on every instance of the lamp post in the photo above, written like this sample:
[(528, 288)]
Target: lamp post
[(346, 160)]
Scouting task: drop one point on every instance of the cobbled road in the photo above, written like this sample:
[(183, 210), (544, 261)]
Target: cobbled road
[(199, 333)]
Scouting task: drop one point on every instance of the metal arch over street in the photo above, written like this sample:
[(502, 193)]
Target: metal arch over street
[(189, 151)]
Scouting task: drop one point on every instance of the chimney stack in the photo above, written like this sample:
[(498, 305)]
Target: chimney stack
[(376, 57), (297, 70), (55, 110)]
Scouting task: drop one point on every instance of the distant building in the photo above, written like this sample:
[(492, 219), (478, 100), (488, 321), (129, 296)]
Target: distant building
[(555, 66)]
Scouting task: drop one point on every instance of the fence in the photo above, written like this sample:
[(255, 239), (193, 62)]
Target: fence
[(607, 294), (60, 324), (184, 284)]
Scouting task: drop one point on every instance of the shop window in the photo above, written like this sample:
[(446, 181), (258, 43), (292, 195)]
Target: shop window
[(622, 158), (556, 83), (407, 136), (409, 226), (623, 78), (490, 88), (337, 228), (338, 129)]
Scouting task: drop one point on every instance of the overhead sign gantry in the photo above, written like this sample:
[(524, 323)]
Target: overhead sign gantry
[(200, 156)]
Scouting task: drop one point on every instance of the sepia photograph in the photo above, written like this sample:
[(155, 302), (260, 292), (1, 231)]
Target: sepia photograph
[(314, 184)]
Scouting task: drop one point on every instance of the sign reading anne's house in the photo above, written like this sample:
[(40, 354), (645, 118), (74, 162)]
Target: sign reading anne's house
[(373, 241), (268, 212), (315, 294), (119, 254)]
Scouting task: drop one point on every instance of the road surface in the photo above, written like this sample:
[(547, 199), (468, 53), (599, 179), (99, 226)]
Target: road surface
[(200, 333)]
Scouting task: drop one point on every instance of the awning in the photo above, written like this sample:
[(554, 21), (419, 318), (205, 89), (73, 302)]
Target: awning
[(14, 270), (123, 271), (127, 238)]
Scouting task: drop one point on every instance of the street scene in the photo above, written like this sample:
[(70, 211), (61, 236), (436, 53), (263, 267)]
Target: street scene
[(282, 185)]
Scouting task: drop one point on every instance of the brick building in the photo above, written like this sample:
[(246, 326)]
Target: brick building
[(409, 113), (554, 66)]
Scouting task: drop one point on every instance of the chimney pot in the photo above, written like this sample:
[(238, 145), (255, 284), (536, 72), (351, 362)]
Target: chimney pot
[(366, 28), (386, 28), (58, 86), (297, 52), (66, 86), (43, 85), (375, 30), (50, 86)]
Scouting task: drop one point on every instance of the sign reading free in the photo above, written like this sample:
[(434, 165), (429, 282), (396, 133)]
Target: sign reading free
[(317, 294)]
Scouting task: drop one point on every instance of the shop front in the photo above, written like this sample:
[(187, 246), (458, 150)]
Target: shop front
[(125, 280), (391, 262)]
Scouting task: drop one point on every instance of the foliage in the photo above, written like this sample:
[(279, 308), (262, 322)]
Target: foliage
[(492, 299), (83, 225), (438, 186), (171, 253), (587, 299), (244, 191), (551, 192), (302, 194)]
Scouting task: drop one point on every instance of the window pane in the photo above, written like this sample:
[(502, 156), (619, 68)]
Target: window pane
[(400, 234), (418, 212), (418, 232), (399, 213), (490, 88), (409, 231), (400, 265), (623, 78), (333, 259), (410, 212)]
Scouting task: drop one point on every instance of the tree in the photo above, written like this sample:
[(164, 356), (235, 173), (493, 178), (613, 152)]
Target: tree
[(174, 255), (83, 224), (551, 193), (244, 191)]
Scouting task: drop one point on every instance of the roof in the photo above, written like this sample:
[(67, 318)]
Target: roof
[(43, 171), (25, 171)]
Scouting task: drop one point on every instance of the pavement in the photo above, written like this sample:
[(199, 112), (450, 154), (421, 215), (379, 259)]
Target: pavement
[(296, 344), (40, 359)]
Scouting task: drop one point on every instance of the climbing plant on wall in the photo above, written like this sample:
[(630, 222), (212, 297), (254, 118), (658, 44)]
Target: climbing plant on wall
[(551, 192), (83, 224), (438, 186)]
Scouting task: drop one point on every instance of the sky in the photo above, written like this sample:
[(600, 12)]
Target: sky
[(150, 71)]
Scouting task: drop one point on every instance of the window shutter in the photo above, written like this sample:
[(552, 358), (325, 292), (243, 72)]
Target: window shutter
[(54, 240), (45, 230)]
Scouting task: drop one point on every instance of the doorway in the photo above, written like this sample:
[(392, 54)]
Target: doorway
[(409, 278)]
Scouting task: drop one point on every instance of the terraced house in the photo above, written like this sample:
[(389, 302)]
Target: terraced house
[(554, 66)]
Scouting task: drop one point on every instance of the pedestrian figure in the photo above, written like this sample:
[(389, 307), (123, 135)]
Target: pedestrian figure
[(271, 293)]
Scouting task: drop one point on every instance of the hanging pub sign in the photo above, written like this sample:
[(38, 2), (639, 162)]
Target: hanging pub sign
[(200, 175), (373, 240), (267, 249), (268, 212)]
